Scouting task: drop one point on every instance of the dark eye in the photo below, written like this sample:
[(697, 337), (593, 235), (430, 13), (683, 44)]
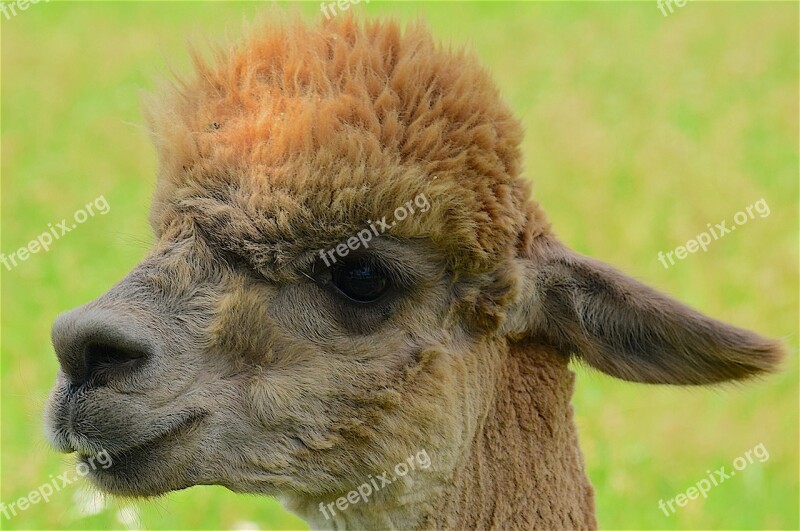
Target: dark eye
[(360, 281)]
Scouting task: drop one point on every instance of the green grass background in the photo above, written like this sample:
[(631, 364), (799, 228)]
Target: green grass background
[(641, 129)]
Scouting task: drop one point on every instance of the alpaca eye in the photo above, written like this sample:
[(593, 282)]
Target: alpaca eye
[(360, 281)]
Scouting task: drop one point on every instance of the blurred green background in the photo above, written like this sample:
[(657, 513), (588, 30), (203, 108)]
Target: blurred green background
[(641, 129)]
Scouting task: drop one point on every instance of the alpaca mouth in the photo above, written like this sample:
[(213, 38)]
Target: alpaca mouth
[(143, 448), (136, 470)]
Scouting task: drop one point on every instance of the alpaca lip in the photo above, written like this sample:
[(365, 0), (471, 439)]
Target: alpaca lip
[(154, 442), (87, 449), (138, 470)]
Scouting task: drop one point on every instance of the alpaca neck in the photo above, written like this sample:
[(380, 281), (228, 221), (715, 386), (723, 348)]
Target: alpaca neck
[(525, 469)]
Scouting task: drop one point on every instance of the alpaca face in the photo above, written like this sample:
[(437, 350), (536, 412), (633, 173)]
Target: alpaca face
[(211, 365)]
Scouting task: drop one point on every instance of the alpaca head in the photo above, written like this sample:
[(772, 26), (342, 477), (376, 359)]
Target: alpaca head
[(346, 254)]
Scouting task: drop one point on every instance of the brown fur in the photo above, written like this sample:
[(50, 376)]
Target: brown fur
[(219, 359), (526, 457)]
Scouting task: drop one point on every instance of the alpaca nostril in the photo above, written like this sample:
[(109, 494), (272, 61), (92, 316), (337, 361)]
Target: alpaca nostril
[(104, 355), (96, 345), (109, 352)]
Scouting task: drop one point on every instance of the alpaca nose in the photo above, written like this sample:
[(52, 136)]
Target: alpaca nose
[(95, 345)]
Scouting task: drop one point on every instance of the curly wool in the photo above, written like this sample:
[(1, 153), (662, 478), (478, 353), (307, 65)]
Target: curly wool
[(342, 120)]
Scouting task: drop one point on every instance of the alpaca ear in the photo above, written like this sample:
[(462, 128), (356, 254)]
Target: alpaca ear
[(588, 309)]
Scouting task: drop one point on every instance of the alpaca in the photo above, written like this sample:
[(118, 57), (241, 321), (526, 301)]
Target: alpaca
[(266, 344)]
